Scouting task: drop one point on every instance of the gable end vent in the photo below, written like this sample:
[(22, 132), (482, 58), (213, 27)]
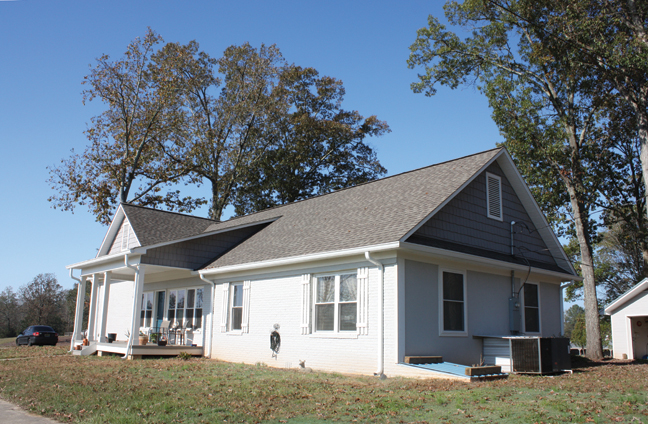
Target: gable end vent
[(494, 196)]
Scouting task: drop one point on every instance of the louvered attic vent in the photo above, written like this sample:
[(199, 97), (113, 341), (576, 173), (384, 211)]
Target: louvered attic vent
[(494, 196)]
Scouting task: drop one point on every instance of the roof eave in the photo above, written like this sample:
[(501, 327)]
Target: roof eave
[(451, 254), (638, 288), (299, 259)]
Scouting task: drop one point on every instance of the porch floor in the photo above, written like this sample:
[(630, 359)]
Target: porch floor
[(150, 349)]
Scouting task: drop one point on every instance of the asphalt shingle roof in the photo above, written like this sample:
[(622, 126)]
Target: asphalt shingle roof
[(378, 212), (154, 226)]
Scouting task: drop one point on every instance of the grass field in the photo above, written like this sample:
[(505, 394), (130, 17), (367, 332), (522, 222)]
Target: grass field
[(48, 381)]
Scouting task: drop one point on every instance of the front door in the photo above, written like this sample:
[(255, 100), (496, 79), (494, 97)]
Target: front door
[(159, 315)]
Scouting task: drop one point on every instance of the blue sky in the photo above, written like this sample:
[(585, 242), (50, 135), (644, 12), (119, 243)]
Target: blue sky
[(47, 47)]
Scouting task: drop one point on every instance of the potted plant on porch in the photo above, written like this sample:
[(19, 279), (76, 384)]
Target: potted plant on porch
[(162, 341), (143, 339)]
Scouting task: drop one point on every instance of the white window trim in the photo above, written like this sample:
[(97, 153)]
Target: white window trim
[(335, 333), (488, 199), (539, 309), (142, 320), (230, 305), (167, 296), (447, 333)]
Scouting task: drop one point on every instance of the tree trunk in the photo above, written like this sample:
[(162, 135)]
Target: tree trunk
[(592, 325)]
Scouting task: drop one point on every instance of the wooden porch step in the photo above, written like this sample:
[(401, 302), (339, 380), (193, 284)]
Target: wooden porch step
[(423, 359), (487, 370)]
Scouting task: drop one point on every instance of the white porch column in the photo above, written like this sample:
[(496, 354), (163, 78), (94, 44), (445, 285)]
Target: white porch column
[(103, 313), (138, 289), (78, 315), (92, 315)]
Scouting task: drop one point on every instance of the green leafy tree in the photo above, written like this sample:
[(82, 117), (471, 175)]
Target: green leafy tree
[(43, 302), (320, 146), (10, 313), (608, 37), (546, 107), (579, 332), (571, 315), (128, 158), (228, 133)]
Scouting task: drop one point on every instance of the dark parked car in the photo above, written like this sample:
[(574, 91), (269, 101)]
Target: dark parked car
[(37, 335)]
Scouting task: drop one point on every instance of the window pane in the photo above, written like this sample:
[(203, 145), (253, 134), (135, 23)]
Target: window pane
[(453, 316), (171, 315), (198, 320), (190, 314), (190, 298), (348, 314), (237, 315), (324, 317), (143, 306), (237, 299), (199, 298), (348, 288), (326, 289), (531, 320), (530, 295), (172, 299), (149, 315), (180, 316), (181, 299), (452, 286)]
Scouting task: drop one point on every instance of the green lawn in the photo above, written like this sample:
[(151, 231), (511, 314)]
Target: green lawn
[(93, 389)]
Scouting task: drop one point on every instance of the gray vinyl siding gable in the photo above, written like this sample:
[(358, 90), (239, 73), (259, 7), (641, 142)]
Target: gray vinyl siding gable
[(195, 253), (116, 245), (464, 222)]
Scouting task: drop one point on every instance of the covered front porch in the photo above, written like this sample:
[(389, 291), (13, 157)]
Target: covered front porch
[(126, 299), (137, 351)]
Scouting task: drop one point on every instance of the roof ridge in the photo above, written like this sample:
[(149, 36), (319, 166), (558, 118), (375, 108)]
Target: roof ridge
[(363, 184), (163, 211)]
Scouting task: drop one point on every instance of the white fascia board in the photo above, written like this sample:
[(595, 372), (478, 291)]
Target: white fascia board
[(143, 250), (533, 209), (104, 259), (452, 196), (300, 259), (466, 257), (112, 231), (638, 288)]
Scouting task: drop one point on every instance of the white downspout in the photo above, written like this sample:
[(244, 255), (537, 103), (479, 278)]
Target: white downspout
[(381, 318), (211, 321), (562, 312), (74, 331)]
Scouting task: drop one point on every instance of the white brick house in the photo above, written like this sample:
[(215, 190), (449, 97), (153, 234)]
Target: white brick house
[(418, 264)]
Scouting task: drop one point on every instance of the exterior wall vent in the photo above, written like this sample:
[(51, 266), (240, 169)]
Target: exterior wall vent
[(125, 236), (494, 196)]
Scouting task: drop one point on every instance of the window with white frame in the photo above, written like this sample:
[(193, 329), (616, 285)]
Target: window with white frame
[(185, 307), (452, 294), (531, 308), (175, 312), (236, 311), (146, 315), (336, 303), (193, 312), (494, 196)]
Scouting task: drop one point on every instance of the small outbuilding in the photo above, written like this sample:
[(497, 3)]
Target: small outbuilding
[(629, 315)]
